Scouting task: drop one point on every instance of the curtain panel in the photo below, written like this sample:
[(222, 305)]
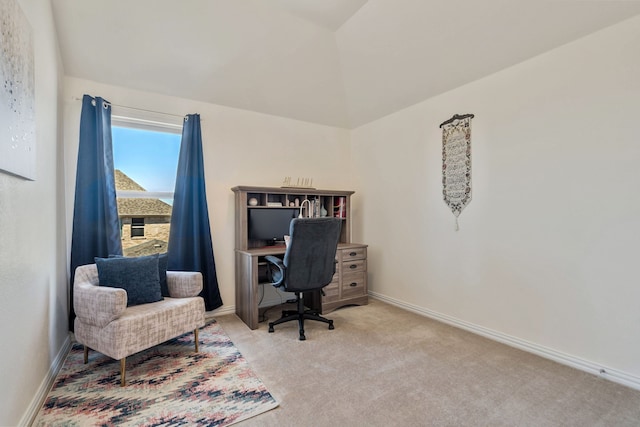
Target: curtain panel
[(190, 247), (96, 227)]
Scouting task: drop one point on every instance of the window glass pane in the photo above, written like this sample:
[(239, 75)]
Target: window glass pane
[(149, 158), (144, 161), (137, 232), (137, 221)]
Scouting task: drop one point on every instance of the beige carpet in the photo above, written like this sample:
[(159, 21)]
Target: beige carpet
[(383, 366)]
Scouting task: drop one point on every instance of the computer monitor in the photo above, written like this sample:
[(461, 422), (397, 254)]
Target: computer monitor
[(270, 224)]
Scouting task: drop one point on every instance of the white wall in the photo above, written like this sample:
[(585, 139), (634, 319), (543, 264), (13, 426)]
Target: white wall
[(240, 148), (33, 290), (547, 249)]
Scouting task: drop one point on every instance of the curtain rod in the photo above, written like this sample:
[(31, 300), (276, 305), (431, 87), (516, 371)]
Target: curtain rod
[(75, 98), (456, 117)]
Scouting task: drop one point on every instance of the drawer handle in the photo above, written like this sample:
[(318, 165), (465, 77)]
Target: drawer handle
[(353, 253), (353, 284), (352, 266)]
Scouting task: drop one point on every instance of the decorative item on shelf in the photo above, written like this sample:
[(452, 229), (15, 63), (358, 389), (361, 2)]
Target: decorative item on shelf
[(323, 211), (308, 202), (313, 209), (300, 183), (253, 201), (339, 209), (274, 204)]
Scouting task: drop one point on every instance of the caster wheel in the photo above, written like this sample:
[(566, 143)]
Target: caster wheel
[(270, 327), (331, 326)]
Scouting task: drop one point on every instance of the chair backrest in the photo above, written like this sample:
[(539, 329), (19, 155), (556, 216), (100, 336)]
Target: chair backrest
[(310, 257)]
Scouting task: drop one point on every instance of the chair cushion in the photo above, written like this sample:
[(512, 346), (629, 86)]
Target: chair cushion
[(138, 276)]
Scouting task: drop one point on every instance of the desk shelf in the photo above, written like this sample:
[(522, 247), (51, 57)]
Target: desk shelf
[(337, 203)]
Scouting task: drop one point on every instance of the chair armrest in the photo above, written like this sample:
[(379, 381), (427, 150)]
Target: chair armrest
[(184, 284), (276, 270), (98, 305)]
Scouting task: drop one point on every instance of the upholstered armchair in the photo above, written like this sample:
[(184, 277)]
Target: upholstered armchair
[(108, 323)]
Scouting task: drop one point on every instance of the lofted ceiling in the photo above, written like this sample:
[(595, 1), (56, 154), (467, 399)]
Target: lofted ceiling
[(336, 62)]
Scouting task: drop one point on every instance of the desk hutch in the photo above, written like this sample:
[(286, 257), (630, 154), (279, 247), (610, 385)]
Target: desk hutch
[(349, 285)]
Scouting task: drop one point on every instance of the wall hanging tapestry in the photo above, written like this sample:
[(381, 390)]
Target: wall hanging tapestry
[(456, 162), (17, 93)]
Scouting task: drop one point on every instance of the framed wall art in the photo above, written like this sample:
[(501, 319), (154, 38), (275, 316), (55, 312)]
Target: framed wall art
[(17, 86)]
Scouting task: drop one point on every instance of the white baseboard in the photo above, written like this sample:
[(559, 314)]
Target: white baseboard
[(610, 374), (225, 309), (38, 400)]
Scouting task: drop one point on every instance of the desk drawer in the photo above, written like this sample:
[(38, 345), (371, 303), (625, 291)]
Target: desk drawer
[(354, 266), (331, 291), (353, 253), (353, 285)]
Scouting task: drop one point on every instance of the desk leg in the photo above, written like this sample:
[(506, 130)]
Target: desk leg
[(247, 289)]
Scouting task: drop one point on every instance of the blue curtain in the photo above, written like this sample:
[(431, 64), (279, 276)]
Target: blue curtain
[(96, 227), (190, 247)]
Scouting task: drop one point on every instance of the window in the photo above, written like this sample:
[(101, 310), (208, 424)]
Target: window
[(145, 161), (137, 227)]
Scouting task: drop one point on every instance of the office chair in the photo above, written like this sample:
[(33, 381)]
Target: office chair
[(308, 265)]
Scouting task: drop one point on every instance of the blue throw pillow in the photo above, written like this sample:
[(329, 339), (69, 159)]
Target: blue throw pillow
[(162, 274), (163, 259), (138, 276)]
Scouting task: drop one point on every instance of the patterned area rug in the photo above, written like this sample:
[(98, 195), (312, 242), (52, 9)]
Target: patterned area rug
[(167, 385)]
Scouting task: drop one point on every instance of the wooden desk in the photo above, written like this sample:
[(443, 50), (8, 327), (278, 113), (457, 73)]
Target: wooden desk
[(349, 285)]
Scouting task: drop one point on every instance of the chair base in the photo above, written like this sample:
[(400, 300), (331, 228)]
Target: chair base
[(300, 315)]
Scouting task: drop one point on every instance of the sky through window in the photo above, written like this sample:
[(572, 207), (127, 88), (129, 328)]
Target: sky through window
[(149, 158)]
